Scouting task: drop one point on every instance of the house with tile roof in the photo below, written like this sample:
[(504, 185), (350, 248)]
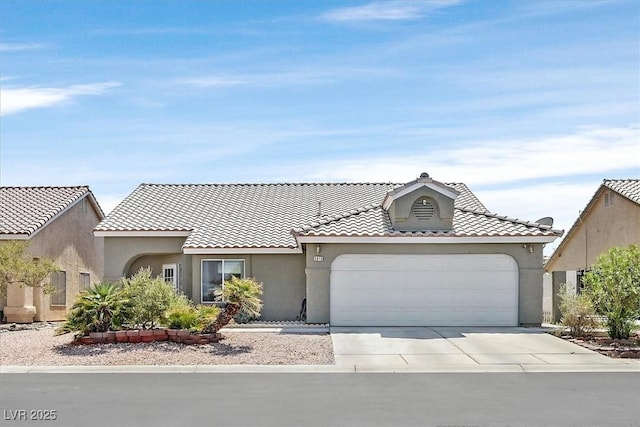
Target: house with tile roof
[(611, 218), (58, 222), (348, 254)]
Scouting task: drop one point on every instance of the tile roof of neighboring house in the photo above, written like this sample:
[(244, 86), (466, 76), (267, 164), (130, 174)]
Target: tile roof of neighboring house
[(264, 215), (629, 188), (26, 210)]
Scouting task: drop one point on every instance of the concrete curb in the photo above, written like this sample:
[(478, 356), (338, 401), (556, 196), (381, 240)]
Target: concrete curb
[(321, 369)]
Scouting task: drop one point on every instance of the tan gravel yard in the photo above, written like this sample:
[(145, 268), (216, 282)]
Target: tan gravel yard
[(40, 347)]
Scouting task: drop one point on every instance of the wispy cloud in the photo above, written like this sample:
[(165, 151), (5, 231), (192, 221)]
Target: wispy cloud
[(214, 81), (300, 76), (590, 151), (17, 47), (400, 10), (15, 100), (259, 79)]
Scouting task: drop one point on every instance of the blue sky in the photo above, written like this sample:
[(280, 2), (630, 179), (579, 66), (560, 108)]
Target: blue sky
[(530, 103)]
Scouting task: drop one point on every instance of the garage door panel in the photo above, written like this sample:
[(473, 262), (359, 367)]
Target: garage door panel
[(417, 290)]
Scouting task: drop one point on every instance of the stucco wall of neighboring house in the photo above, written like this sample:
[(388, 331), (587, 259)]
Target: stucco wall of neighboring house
[(68, 240), (600, 229), (530, 275), (122, 253), (282, 277)]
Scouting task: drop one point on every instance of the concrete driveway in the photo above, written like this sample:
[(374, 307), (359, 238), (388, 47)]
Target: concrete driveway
[(470, 349)]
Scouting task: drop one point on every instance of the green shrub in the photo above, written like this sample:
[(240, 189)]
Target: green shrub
[(577, 312), (181, 318), (100, 308), (150, 298), (206, 315), (190, 317), (614, 287)]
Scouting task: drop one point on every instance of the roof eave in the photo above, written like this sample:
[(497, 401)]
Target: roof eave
[(141, 233), (426, 239), (15, 236), (241, 250), (577, 223)]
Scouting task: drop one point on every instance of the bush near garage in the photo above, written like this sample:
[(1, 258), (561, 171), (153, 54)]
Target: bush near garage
[(578, 313), (613, 284)]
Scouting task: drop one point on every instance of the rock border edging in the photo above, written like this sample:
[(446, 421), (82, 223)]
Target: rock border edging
[(182, 336)]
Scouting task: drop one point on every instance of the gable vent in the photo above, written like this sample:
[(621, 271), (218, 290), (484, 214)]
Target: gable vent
[(423, 209)]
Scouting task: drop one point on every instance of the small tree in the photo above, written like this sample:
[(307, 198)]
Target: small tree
[(18, 267), (577, 312), (237, 295), (613, 285), (149, 297)]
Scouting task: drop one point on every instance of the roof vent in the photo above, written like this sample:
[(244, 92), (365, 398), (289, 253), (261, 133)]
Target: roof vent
[(424, 175), (423, 209)]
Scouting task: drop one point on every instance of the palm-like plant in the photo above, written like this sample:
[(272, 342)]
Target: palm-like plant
[(97, 309), (237, 295)]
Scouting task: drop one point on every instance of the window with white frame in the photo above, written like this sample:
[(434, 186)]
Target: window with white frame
[(59, 284), (85, 281), (215, 272)]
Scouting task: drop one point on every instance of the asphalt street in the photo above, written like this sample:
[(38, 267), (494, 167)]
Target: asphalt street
[(315, 399)]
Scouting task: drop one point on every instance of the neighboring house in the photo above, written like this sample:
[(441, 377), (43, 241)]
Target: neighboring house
[(611, 218), (58, 222), (379, 254)]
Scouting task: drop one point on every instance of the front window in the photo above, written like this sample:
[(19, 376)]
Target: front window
[(59, 284), (85, 281), (216, 272)]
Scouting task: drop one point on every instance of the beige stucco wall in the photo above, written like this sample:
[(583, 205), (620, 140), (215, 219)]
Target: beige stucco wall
[(602, 228), (282, 277), (122, 254), (288, 279), (530, 265), (69, 241)]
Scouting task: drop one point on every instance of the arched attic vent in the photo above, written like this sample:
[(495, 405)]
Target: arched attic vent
[(423, 209)]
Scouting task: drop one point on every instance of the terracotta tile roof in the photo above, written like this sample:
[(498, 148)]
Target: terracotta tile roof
[(629, 188), (236, 215), (25, 210), (374, 221), (264, 215)]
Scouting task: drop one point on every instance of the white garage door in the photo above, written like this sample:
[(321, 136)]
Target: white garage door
[(424, 290)]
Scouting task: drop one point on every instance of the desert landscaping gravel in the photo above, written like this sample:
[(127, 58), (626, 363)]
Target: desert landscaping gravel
[(40, 347)]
